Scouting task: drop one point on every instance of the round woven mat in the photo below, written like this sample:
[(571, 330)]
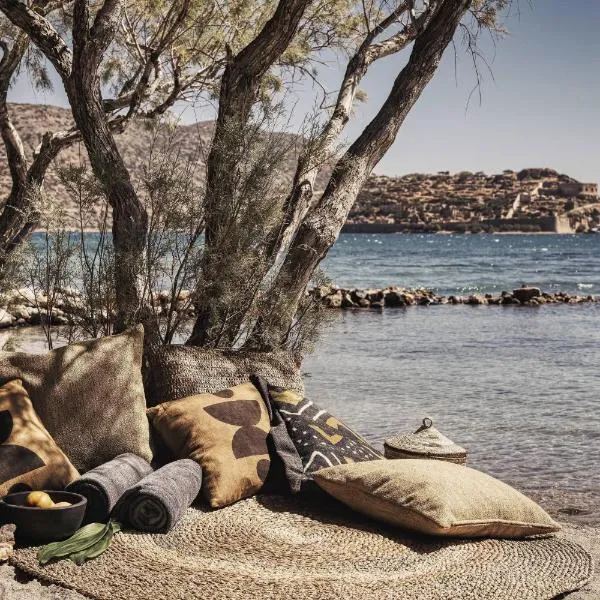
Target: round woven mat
[(272, 547)]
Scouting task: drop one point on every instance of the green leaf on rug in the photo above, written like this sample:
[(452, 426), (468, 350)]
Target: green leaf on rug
[(83, 538), (99, 547)]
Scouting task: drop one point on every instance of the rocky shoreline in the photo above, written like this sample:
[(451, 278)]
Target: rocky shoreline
[(22, 308), (398, 297)]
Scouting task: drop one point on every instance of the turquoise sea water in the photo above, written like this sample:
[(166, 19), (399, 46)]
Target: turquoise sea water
[(519, 387), (464, 264)]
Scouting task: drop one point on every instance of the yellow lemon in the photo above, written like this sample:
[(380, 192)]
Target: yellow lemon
[(45, 502), (34, 497)]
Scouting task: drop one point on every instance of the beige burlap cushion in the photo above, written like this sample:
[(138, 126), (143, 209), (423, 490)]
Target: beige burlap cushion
[(29, 457), (89, 396), (173, 372), (226, 433), (436, 497)]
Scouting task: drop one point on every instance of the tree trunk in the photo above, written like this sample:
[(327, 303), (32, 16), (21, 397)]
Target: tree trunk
[(239, 91), (16, 216), (130, 219), (321, 228)]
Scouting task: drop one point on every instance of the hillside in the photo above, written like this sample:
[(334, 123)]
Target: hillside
[(529, 200), (189, 142)]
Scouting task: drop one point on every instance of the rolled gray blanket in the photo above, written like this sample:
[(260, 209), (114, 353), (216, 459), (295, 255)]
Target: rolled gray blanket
[(159, 500), (104, 485)]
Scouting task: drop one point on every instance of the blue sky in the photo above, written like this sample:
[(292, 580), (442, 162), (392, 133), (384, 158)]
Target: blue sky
[(540, 108)]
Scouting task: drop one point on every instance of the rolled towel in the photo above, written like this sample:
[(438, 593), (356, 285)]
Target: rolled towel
[(159, 500), (104, 485)]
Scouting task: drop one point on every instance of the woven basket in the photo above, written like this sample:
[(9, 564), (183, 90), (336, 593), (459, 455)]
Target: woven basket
[(425, 442)]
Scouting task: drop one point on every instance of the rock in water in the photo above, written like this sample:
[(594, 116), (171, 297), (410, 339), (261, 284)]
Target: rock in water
[(524, 294)]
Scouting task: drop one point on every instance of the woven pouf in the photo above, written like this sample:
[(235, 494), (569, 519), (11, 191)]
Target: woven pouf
[(425, 442), (270, 548)]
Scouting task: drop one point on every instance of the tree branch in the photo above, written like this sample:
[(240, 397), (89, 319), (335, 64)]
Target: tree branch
[(298, 201), (240, 85), (105, 24), (260, 54), (322, 225), (39, 29)]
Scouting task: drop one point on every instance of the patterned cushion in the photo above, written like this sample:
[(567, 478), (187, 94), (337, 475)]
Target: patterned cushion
[(173, 372), (321, 439), (29, 457), (89, 395), (226, 433)]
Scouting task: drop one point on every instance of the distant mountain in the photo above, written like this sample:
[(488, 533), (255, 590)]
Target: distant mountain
[(190, 142), (538, 199)]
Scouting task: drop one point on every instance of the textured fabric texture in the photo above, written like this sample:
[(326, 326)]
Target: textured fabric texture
[(321, 440), (89, 395), (286, 472), (437, 498), (159, 500), (29, 457), (104, 485), (274, 548), (226, 433), (173, 372)]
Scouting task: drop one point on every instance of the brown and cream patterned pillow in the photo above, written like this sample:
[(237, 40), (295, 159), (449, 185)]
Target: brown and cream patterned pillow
[(29, 457), (226, 433)]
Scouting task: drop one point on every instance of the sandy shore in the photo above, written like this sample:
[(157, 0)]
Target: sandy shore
[(13, 587)]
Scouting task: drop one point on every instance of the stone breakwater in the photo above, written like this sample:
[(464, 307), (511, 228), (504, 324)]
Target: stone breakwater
[(396, 297), (20, 308)]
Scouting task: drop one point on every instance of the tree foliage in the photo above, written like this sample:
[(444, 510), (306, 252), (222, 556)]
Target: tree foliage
[(121, 60)]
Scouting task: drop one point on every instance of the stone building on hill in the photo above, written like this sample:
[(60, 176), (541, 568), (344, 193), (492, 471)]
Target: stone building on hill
[(538, 199)]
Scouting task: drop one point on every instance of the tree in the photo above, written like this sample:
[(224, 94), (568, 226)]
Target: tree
[(309, 226), (157, 75), (173, 51), (254, 269)]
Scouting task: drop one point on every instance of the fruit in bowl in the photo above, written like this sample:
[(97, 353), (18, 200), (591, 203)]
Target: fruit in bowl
[(43, 516), (43, 500)]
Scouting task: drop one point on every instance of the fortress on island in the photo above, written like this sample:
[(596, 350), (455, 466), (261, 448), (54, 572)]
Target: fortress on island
[(531, 200)]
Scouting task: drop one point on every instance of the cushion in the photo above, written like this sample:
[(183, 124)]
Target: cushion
[(173, 372), (226, 433), (436, 497), (29, 457), (285, 474), (321, 440), (89, 395)]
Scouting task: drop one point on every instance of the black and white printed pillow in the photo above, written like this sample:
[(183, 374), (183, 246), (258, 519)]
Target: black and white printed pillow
[(320, 439)]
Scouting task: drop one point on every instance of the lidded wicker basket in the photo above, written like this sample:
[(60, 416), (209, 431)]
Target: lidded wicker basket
[(425, 442)]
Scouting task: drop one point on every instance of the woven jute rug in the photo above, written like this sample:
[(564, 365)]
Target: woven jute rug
[(273, 548)]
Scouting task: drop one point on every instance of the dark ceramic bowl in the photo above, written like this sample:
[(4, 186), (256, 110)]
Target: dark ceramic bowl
[(43, 525)]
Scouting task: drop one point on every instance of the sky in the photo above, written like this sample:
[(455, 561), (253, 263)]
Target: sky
[(539, 105)]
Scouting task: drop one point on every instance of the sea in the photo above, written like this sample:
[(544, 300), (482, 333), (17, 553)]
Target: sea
[(518, 387)]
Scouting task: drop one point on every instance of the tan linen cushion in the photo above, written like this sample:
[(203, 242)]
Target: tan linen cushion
[(435, 497), (89, 395), (226, 433), (29, 457)]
